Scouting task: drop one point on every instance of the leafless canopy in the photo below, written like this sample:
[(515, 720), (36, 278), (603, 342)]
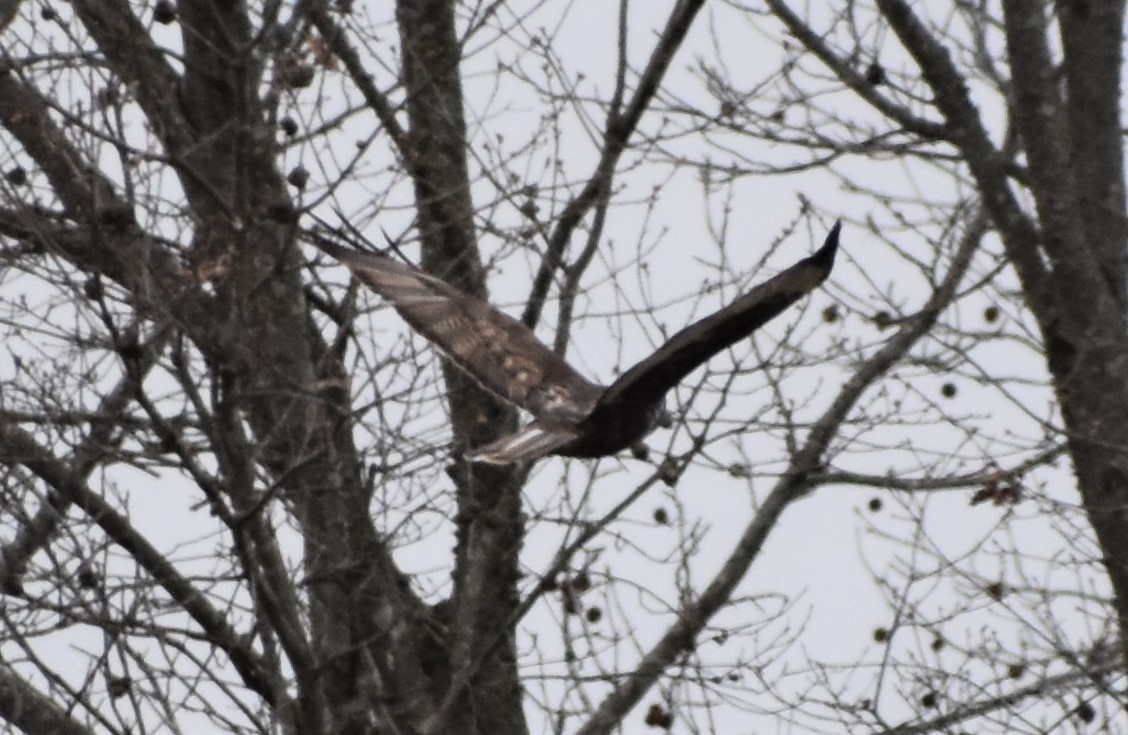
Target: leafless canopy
[(234, 488)]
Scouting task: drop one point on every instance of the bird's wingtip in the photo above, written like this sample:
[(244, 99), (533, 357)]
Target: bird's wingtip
[(825, 254), (832, 236), (327, 246)]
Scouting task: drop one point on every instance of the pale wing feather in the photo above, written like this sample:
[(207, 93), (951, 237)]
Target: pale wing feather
[(527, 444), (499, 352)]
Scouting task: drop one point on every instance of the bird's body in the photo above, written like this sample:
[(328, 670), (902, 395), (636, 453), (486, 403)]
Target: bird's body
[(574, 417)]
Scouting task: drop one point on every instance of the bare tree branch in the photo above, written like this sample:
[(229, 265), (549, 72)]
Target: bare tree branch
[(17, 446), (32, 711), (794, 483), (620, 127)]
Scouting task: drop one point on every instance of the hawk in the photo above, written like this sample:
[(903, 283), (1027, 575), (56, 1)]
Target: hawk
[(572, 416)]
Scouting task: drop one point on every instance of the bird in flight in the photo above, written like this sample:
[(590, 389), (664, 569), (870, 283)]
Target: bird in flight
[(572, 416)]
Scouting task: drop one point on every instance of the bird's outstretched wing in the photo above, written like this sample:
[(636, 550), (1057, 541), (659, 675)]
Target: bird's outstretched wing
[(499, 352), (649, 380)]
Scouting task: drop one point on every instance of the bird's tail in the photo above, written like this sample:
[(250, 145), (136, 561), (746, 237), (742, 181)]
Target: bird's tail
[(530, 443)]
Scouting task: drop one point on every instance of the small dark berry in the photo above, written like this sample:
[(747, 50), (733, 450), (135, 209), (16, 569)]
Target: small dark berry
[(88, 577), (92, 288), (581, 582), (875, 74), (657, 716), (119, 686), (164, 12), (168, 444), (300, 76), (129, 347), (298, 177)]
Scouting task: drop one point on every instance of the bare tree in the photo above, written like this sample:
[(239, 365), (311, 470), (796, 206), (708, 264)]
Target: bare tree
[(233, 487)]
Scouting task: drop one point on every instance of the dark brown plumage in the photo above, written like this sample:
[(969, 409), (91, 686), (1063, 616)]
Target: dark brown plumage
[(573, 417)]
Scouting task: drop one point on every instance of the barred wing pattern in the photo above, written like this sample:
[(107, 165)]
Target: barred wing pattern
[(499, 352)]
